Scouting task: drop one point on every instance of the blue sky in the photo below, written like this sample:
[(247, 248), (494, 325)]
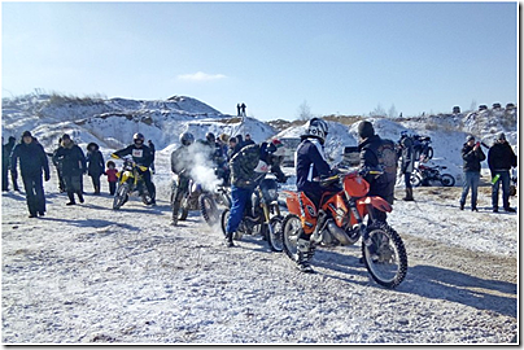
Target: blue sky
[(339, 57)]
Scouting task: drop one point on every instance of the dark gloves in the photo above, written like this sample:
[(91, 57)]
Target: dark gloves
[(282, 179)]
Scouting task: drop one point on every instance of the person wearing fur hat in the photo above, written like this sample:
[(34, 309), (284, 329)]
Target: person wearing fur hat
[(501, 159), (95, 167), (33, 161), (73, 164)]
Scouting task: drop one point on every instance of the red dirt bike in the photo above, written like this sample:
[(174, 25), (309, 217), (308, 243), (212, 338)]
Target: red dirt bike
[(340, 221)]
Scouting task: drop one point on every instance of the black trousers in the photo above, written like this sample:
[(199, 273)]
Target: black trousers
[(112, 188), (73, 185), (34, 193)]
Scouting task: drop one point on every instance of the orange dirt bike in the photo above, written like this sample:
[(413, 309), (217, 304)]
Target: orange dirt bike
[(340, 221)]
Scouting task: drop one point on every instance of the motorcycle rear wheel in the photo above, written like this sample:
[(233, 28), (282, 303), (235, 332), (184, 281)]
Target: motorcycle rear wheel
[(121, 196), (275, 239), (209, 209), (447, 180), (291, 230), (388, 265)]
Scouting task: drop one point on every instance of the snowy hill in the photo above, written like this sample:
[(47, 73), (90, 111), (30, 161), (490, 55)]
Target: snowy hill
[(112, 122)]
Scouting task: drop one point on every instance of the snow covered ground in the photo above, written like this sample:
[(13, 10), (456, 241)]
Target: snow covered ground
[(88, 274)]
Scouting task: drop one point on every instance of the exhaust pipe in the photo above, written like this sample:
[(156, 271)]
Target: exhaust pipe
[(339, 233)]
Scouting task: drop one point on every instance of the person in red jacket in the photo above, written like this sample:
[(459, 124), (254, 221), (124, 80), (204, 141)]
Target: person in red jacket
[(112, 178)]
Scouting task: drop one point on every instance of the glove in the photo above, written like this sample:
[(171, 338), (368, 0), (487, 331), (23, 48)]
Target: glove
[(282, 179), (47, 177)]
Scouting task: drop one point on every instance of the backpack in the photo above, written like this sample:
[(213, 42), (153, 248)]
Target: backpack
[(387, 157)]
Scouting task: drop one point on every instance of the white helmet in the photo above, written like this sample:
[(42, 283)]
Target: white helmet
[(318, 128)]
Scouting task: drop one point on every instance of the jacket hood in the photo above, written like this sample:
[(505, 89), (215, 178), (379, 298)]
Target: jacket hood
[(91, 145)]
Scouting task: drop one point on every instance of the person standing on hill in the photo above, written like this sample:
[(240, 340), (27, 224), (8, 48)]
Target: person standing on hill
[(501, 159), (33, 161), (95, 167), (73, 164), (472, 155)]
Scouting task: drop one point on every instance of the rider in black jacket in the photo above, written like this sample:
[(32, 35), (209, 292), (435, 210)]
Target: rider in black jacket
[(142, 155)]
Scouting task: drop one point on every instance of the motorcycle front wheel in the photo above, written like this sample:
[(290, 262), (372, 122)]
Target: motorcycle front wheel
[(291, 229), (415, 180), (274, 235), (447, 180), (386, 259), (209, 209), (121, 195)]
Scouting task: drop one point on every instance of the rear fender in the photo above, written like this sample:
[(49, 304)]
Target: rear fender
[(376, 202)]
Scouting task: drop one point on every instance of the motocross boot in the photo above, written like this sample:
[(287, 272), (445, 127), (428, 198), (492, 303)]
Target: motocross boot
[(305, 253)]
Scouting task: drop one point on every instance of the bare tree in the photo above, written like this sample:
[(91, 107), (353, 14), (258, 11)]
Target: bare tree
[(392, 112), (378, 112), (304, 111)]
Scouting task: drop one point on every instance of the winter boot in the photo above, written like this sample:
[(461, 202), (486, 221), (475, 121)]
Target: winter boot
[(461, 205), (409, 195), (229, 239), (80, 197), (71, 196), (97, 190), (304, 255)]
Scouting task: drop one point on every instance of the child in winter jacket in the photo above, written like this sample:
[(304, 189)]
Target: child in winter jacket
[(112, 177)]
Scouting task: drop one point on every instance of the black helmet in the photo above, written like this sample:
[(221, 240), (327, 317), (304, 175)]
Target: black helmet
[(210, 137), (138, 137), (186, 138), (365, 129)]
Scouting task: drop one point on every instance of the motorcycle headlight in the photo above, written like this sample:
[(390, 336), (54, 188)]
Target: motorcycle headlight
[(272, 193)]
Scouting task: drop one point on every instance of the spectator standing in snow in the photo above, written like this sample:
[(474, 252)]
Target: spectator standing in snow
[(33, 160), (7, 150), (501, 159), (243, 109), (112, 177), (248, 141), (58, 166), (472, 155), (73, 163), (240, 143), (408, 161), (238, 110), (96, 166), (232, 149), (153, 150)]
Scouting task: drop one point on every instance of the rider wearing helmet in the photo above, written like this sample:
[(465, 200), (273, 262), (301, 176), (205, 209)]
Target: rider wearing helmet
[(181, 162), (216, 155), (310, 166), (244, 166), (142, 155)]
